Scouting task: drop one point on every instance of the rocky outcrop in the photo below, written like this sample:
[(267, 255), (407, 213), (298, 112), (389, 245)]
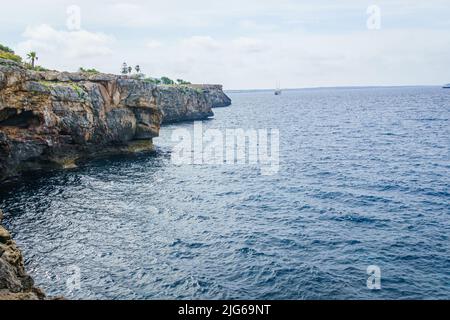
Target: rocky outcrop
[(15, 283), (214, 93), (182, 103), (52, 119)]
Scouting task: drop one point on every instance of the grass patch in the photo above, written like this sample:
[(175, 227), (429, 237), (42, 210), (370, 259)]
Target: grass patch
[(75, 87)]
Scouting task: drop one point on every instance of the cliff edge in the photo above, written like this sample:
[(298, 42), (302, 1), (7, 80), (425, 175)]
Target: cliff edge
[(15, 283), (51, 119), (184, 103), (214, 93)]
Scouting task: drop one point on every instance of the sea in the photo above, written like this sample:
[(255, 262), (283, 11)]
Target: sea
[(357, 208)]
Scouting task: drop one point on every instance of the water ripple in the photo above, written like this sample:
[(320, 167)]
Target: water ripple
[(364, 181)]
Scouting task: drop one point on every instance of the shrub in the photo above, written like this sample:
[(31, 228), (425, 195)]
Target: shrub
[(39, 68), (92, 70), (152, 80), (35, 68), (182, 82), (167, 81), (138, 76), (6, 49), (10, 56)]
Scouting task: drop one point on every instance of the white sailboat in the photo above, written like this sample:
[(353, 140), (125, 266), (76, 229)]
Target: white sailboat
[(278, 90), (447, 86)]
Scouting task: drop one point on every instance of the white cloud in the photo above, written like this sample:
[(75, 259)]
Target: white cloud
[(80, 44), (242, 44), (143, 14), (202, 43), (305, 60), (153, 44), (249, 45)]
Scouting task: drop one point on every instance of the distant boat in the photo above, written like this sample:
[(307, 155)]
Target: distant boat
[(447, 86), (278, 91)]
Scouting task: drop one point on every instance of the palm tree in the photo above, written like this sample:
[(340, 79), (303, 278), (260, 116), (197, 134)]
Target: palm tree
[(33, 57), (124, 68)]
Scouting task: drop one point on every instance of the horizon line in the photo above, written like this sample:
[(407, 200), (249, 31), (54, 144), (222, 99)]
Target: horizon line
[(341, 87)]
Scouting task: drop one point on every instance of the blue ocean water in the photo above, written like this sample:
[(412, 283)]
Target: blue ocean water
[(364, 180)]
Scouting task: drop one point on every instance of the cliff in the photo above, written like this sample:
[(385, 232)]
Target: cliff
[(51, 119), (15, 283), (214, 93), (183, 103)]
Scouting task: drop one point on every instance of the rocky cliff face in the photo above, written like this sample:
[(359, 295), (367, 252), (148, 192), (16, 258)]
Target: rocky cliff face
[(183, 103), (15, 283), (51, 119), (215, 94)]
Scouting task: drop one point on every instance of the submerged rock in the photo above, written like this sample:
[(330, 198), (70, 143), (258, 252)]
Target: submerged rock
[(15, 283)]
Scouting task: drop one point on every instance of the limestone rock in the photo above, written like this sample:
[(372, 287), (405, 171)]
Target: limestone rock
[(15, 283), (50, 118), (214, 93), (183, 103)]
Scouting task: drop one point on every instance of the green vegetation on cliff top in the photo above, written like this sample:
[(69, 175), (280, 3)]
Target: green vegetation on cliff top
[(6, 49), (8, 54), (90, 71)]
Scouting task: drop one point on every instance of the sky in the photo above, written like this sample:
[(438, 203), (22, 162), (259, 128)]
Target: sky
[(242, 44)]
